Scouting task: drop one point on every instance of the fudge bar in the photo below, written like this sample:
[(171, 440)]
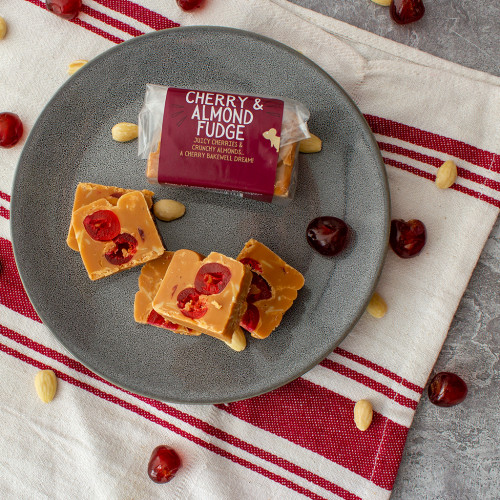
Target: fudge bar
[(113, 238), (205, 294), (272, 292), (87, 192)]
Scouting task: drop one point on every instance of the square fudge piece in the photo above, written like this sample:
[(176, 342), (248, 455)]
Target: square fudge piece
[(272, 292), (113, 238), (205, 294), (150, 279), (87, 192), (151, 276)]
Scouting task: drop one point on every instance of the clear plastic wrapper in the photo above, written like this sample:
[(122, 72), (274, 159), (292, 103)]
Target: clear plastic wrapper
[(231, 142)]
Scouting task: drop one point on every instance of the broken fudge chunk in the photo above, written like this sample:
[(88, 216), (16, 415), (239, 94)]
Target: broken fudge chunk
[(87, 192), (273, 289), (205, 294), (113, 238)]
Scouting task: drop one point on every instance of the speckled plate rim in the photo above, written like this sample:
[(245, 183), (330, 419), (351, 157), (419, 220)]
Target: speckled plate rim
[(368, 135)]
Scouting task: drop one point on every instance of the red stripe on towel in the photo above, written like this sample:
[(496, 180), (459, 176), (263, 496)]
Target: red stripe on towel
[(437, 142), (4, 213), (139, 13), (436, 162), (379, 369), (164, 423), (369, 382), (432, 177), (12, 293), (301, 411), (185, 417), (111, 21)]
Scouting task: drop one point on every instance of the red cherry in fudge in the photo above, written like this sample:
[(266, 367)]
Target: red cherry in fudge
[(406, 11), (254, 264), (189, 4), (447, 389), (191, 304), (163, 464), (328, 235), (407, 238), (68, 9), (124, 250), (11, 129), (158, 320), (212, 278), (259, 289), (250, 319), (102, 225)]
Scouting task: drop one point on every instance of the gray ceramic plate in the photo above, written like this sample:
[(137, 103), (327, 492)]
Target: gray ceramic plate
[(71, 143)]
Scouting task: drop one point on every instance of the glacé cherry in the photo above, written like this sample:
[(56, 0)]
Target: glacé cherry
[(406, 11), (68, 9), (124, 250), (328, 235), (191, 304), (189, 4), (407, 238), (254, 264), (212, 278), (163, 464), (102, 225), (447, 389), (158, 320), (259, 289), (11, 129), (250, 319)]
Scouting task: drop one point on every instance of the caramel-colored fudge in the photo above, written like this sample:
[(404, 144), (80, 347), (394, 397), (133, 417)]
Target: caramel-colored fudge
[(150, 279), (87, 192), (114, 238), (205, 294), (274, 288)]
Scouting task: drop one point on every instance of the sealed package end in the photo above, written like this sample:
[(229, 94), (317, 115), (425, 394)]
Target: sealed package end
[(230, 142)]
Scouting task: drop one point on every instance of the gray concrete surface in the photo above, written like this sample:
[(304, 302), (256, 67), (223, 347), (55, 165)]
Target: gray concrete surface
[(452, 453)]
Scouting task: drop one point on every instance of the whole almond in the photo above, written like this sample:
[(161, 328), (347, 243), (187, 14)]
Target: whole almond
[(446, 175), (3, 27), (124, 132), (168, 210), (46, 385), (377, 306), (74, 66), (311, 145), (238, 341), (363, 414)]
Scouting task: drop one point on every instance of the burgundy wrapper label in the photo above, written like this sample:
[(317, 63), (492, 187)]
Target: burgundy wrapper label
[(220, 141)]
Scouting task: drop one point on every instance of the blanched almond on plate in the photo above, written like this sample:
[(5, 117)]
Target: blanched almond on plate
[(238, 340), (124, 132), (168, 210), (311, 145)]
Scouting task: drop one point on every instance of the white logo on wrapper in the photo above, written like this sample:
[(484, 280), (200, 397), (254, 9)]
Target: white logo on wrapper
[(271, 136)]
